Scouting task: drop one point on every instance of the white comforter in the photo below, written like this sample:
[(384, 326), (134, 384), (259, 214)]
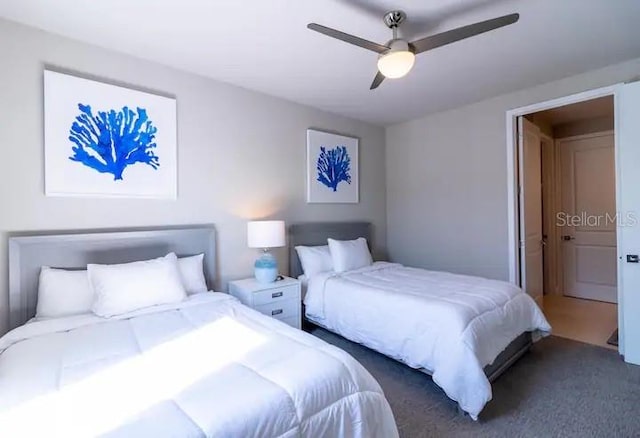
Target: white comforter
[(449, 325), (206, 367)]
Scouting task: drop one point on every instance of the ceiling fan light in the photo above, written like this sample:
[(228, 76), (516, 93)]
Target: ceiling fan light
[(396, 64)]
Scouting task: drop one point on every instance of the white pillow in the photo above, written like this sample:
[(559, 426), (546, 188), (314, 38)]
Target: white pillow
[(62, 292), (314, 259), (349, 254), (130, 286), (192, 274)]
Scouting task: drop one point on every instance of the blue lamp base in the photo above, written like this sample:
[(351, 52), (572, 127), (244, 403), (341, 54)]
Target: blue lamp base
[(266, 268)]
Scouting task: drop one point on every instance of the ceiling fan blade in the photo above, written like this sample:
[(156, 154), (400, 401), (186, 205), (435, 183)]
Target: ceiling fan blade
[(377, 81), (347, 38), (451, 36)]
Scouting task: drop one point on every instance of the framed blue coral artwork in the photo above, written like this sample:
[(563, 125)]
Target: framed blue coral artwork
[(103, 140), (332, 168)]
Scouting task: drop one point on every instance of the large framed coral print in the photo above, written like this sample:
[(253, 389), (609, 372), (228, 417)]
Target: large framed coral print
[(102, 140), (332, 168)]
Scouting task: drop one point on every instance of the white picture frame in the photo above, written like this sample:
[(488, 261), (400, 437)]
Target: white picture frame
[(332, 168), (103, 140)]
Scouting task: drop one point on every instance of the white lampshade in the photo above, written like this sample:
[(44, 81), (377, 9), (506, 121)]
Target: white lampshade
[(398, 61), (265, 234)]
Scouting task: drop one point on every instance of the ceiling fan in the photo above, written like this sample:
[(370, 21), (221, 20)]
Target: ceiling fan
[(396, 57)]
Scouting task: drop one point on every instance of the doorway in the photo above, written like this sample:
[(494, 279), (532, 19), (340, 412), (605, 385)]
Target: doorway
[(568, 219), (627, 157)]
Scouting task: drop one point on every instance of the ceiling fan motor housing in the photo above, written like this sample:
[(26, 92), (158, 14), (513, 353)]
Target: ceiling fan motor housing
[(398, 45)]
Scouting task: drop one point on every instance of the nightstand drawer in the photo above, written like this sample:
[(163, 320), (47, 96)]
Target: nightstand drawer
[(293, 321), (276, 294), (281, 309)]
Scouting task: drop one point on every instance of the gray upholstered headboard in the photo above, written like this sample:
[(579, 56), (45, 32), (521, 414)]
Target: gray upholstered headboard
[(317, 233), (63, 250)]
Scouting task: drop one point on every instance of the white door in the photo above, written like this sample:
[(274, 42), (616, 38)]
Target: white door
[(531, 265), (628, 138), (588, 217)]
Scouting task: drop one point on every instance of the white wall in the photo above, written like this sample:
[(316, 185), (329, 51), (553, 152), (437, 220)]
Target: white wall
[(241, 155), (447, 179)]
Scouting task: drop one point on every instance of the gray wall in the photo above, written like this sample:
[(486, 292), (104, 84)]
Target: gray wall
[(241, 155), (447, 179)]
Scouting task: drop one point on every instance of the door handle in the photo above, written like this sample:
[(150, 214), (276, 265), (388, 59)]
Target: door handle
[(567, 238)]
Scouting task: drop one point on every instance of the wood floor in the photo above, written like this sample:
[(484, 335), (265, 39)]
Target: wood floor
[(587, 321)]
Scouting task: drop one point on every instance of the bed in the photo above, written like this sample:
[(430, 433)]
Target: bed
[(463, 331), (205, 366)]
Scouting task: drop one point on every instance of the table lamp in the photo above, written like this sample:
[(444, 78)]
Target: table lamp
[(266, 235)]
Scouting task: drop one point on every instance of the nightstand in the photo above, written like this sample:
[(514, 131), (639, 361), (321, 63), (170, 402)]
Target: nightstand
[(280, 299)]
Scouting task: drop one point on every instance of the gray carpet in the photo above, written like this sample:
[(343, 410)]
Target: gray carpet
[(561, 388)]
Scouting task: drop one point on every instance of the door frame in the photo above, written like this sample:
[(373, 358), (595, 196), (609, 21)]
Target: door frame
[(513, 205)]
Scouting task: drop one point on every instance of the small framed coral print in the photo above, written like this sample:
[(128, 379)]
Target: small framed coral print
[(332, 168), (102, 140)]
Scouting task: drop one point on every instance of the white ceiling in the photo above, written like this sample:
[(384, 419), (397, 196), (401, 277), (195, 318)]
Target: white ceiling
[(265, 46)]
